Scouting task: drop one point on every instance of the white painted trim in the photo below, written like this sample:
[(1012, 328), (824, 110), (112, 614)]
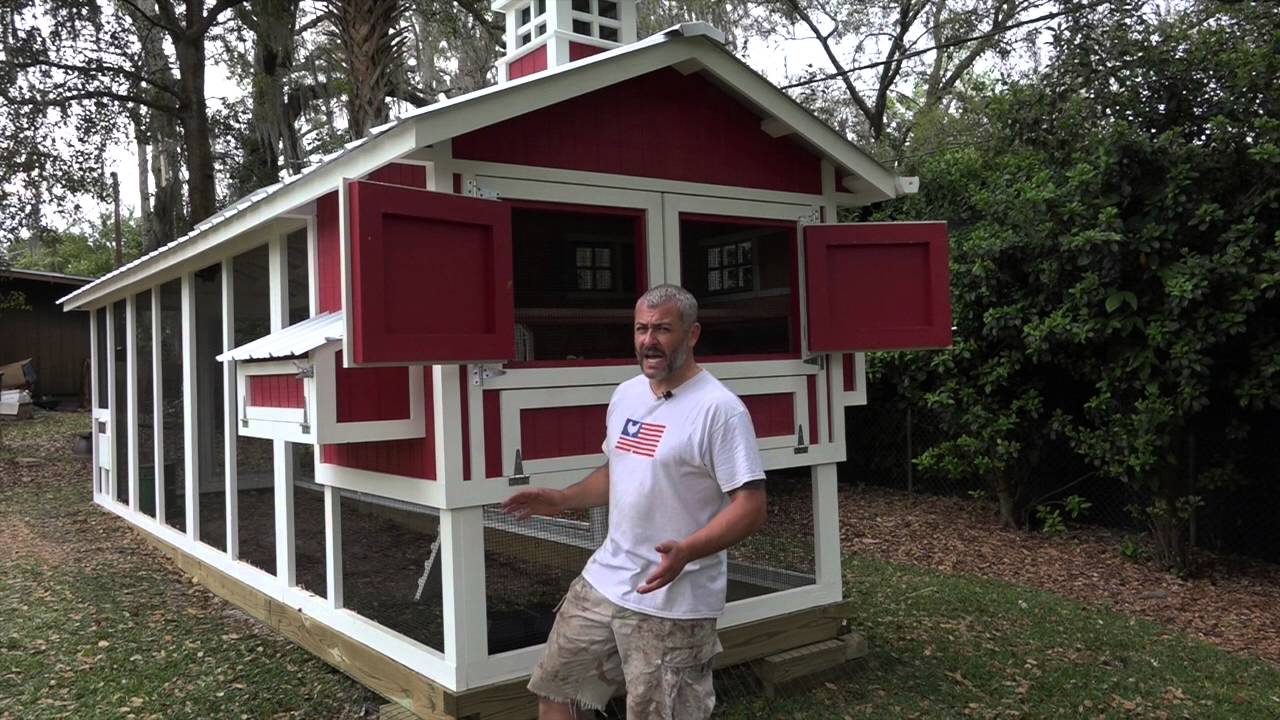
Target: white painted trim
[(512, 402), (859, 394), (594, 181), (447, 409), (229, 404), (190, 398), (332, 542), (131, 396), (344, 269), (95, 362), (535, 377), (647, 202), (157, 402), (473, 396), (313, 277), (286, 562), (397, 487), (465, 605), (826, 528), (323, 406)]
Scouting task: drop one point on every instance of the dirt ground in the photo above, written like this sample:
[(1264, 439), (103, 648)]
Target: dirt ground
[(1233, 603)]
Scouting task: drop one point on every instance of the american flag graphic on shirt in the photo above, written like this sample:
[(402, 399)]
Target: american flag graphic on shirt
[(640, 438)]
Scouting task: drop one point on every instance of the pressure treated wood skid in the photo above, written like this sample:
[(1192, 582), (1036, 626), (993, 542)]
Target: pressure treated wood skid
[(314, 401)]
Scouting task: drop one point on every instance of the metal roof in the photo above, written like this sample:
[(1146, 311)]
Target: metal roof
[(293, 341), (46, 276)]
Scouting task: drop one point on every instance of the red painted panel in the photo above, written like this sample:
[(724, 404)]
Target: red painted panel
[(365, 394), (492, 433), (328, 254), (850, 381), (411, 458), (561, 431), (533, 61), (773, 415), (430, 276), (660, 125), (812, 436), (878, 286), (281, 391), (406, 174), (577, 51)]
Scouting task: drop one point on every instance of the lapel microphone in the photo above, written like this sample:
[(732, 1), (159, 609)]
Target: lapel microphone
[(667, 395)]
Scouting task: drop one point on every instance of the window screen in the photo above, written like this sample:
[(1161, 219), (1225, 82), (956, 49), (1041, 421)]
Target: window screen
[(744, 277), (576, 279)]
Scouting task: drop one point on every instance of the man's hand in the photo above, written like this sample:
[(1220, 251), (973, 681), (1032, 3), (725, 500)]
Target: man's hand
[(534, 501), (674, 558)]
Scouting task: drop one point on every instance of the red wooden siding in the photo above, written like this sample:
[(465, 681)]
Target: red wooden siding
[(492, 433), (561, 431), (277, 391), (878, 286), (577, 51), (660, 125), (329, 240), (773, 415), (811, 435), (377, 393), (534, 61), (850, 379), (328, 254), (414, 253), (414, 176), (411, 458)]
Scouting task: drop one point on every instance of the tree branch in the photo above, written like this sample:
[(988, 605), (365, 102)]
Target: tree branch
[(831, 57)]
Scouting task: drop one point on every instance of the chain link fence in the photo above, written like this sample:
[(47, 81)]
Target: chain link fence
[(887, 436)]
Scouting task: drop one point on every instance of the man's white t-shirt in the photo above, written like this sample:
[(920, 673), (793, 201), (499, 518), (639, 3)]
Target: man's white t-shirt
[(672, 463)]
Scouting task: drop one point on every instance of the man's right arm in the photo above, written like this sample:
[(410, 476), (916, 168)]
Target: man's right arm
[(591, 491)]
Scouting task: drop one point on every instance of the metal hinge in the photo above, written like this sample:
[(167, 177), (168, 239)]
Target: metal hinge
[(480, 373), (813, 217), (473, 189), (819, 360), (303, 370), (518, 476), (801, 448)]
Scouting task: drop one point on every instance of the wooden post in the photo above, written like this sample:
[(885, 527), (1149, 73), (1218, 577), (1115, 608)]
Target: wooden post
[(190, 407), (157, 404), (282, 452), (229, 407), (131, 396)]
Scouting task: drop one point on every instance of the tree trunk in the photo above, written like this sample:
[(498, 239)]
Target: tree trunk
[(145, 228), (194, 114), (1008, 502)]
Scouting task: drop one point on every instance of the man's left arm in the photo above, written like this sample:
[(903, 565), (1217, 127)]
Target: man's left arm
[(744, 514)]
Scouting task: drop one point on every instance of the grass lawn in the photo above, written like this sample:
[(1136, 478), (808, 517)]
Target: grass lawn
[(94, 624)]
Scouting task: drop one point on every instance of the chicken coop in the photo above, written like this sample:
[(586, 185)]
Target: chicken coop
[(316, 401)]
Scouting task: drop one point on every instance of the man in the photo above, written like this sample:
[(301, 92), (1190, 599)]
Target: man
[(683, 482)]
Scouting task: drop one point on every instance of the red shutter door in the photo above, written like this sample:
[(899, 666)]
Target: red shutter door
[(430, 277), (877, 286)]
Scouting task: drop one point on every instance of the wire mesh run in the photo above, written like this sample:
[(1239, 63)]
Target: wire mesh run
[(391, 565), (781, 555), (528, 567), (310, 571), (255, 502)]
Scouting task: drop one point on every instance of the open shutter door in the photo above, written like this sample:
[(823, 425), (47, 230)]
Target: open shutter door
[(877, 286), (429, 276)]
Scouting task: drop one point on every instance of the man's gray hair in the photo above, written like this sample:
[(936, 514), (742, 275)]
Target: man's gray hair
[(664, 294)]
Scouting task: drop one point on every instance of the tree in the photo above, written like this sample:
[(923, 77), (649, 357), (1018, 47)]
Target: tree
[(372, 41), (92, 57), (875, 50), (1116, 265)]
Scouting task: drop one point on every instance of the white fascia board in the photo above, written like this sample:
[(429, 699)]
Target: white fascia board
[(285, 197)]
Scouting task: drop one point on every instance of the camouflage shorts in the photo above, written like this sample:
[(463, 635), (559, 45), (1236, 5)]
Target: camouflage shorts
[(596, 648)]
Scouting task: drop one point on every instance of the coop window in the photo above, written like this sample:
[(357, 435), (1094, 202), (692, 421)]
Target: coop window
[(731, 267), (576, 272), (595, 267), (526, 30), (597, 18), (744, 274)]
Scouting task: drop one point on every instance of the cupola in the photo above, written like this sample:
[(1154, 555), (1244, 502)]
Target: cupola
[(544, 34)]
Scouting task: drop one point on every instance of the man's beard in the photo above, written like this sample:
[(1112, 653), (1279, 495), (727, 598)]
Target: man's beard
[(676, 359)]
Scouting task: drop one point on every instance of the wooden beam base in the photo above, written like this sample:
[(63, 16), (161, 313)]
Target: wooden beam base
[(412, 695), (776, 670)]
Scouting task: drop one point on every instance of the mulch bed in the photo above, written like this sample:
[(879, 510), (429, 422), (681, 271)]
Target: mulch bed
[(1231, 602)]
